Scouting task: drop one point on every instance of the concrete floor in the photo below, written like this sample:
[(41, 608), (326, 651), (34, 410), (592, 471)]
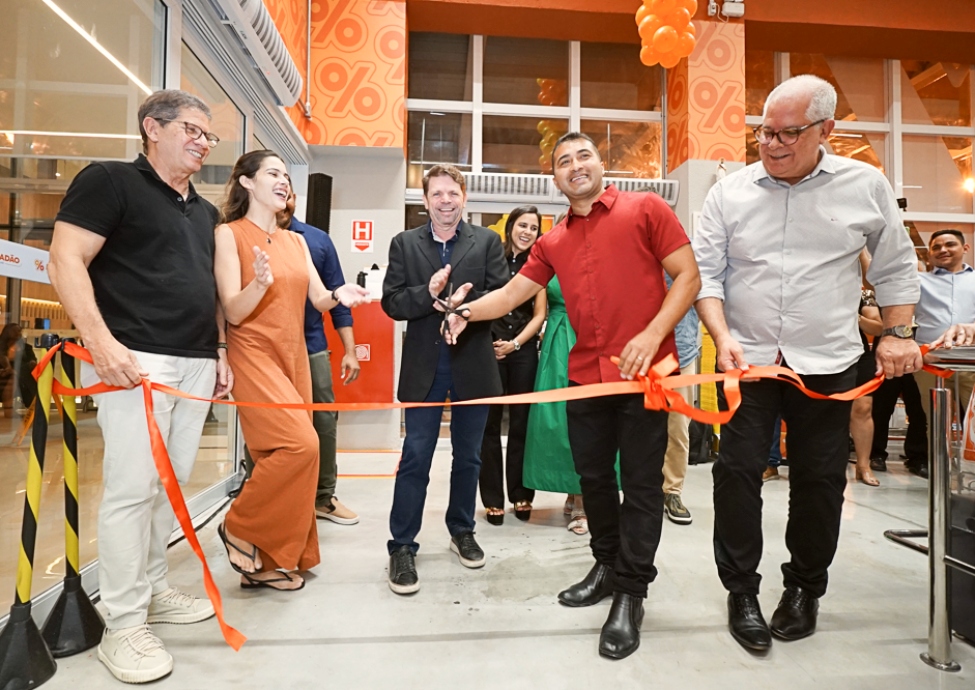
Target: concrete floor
[(501, 627)]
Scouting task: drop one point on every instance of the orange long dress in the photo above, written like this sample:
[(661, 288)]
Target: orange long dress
[(275, 511)]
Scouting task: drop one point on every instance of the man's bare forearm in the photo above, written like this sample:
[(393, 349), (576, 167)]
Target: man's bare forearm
[(676, 304), (347, 337), (497, 303), (711, 311), (71, 281), (898, 315)]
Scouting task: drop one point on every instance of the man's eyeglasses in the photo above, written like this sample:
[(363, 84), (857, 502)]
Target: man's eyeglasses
[(786, 137), (194, 132)]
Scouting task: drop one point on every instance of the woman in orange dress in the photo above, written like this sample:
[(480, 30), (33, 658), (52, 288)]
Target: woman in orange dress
[(264, 275)]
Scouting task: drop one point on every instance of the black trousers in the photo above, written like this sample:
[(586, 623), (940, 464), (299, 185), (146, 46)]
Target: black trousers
[(624, 537), (884, 401), (818, 451), (517, 376)]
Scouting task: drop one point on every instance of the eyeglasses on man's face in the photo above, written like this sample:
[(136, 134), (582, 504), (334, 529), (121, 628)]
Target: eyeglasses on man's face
[(786, 136), (194, 132)]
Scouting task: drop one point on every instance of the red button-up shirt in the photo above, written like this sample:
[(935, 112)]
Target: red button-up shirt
[(608, 264)]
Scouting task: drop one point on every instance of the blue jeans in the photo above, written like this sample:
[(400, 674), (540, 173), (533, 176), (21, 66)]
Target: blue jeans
[(422, 431)]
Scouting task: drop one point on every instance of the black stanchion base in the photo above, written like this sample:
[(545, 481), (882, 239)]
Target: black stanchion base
[(25, 660), (74, 624)]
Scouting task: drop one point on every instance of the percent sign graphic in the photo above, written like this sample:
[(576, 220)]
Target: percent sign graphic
[(353, 88), (720, 106)]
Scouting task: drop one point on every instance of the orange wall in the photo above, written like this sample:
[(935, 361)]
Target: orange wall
[(706, 97), (358, 75), (940, 30)]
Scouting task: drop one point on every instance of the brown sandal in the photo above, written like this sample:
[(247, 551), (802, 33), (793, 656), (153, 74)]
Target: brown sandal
[(495, 516), (523, 510)]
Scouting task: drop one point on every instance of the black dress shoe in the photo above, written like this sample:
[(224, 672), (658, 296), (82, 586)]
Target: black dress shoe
[(595, 587), (746, 623), (795, 616), (620, 635), (878, 464), (917, 468)]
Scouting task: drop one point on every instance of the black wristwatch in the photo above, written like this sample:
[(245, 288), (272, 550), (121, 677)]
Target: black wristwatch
[(902, 332), (335, 295)]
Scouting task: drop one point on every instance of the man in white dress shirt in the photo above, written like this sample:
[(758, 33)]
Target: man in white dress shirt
[(778, 250)]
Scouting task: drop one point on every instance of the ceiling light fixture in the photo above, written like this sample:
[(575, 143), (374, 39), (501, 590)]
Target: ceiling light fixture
[(96, 45), (87, 135)]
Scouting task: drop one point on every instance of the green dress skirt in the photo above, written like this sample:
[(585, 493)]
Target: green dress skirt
[(548, 458)]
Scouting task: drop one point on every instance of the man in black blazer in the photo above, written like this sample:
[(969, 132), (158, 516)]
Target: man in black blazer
[(445, 249)]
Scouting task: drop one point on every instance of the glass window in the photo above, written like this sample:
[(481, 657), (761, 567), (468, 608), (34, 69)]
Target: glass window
[(40, 53), (520, 144), (227, 123), (759, 79), (613, 77), (440, 66), (936, 93), (526, 70), (62, 104), (869, 148), (936, 171), (433, 138), (628, 149), (416, 215), (859, 83)]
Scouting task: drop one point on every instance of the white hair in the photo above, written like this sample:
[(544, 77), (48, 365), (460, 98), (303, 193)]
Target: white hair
[(821, 94)]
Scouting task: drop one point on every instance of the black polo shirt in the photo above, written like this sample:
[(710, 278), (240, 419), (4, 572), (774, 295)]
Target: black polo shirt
[(153, 277), (511, 324)]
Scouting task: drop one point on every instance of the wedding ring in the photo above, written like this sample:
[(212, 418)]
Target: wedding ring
[(639, 358)]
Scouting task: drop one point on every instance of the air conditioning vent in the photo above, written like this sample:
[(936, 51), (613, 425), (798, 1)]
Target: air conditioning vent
[(541, 189), (251, 24), (491, 186)]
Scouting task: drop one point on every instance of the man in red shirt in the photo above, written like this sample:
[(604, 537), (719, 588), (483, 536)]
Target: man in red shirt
[(610, 254)]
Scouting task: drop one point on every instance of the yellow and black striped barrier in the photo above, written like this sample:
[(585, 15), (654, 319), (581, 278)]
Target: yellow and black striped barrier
[(74, 624), (25, 660)]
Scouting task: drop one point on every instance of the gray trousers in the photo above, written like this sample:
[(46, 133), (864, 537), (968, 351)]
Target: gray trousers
[(325, 426)]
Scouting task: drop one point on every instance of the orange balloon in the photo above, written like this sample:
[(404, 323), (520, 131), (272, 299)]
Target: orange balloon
[(669, 60), (689, 5), (685, 44), (691, 29), (642, 13), (660, 7), (649, 26), (679, 19), (648, 56), (543, 126), (665, 40)]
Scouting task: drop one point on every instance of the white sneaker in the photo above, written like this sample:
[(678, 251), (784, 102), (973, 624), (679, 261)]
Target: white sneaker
[(135, 655), (172, 606)]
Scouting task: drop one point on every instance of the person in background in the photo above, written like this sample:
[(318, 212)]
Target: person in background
[(265, 276), (515, 338), (688, 337), (869, 323), (326, 260), (775, 459)]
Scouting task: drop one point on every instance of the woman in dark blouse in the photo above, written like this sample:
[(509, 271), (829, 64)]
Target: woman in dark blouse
[(516, 349)]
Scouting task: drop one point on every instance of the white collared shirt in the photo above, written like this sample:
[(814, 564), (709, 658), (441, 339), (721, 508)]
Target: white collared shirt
[(946, 298), (784, 260)]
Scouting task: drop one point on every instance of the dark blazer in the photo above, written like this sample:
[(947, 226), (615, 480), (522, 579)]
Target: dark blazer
[(414, 257)]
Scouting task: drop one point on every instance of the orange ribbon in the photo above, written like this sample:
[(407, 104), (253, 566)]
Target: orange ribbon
[(657, 388)]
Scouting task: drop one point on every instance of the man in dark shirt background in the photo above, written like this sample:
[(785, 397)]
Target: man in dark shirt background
[(326, 261)]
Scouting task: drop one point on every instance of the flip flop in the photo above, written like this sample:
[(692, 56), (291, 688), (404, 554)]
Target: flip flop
[(254, 583), (227, 544)]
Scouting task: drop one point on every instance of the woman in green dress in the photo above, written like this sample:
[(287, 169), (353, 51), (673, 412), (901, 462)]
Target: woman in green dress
[(548, 458)]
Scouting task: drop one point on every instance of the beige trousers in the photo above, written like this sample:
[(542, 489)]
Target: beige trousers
[(675, 461)]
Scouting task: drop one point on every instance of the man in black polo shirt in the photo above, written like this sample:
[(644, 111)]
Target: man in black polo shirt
[(132, 260)]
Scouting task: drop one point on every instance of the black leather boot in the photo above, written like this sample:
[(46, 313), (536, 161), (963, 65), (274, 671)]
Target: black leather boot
[(595, 587), (620, 636)]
